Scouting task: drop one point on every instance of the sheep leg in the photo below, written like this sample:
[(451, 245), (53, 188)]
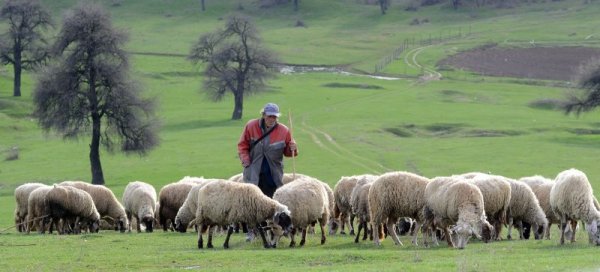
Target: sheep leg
[(322, 223), (510, 226), (292, 238), (366, 231), (211, 229), (448, 238), (574, 228), (360, 226), (563, 226), (547, 231), (229, 232), (128, 214), (520, 229), (352, 224), (262, 235), (417, 225), (343, 219), (391, 223), (303, 236), (200, 242), (137, 222)]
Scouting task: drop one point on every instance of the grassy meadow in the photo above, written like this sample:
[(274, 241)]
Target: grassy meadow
[(344, 125)]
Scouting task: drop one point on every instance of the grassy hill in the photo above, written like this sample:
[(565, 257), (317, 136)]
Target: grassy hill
[(344, 125)]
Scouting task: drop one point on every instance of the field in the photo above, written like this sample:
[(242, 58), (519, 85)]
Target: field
[(431, 120)]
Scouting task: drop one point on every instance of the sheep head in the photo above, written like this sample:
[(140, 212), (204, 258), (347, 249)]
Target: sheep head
[(593, 231), (461, 233), (283, 218)]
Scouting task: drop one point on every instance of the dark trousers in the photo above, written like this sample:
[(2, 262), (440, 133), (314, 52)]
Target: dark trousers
[(265, 180)]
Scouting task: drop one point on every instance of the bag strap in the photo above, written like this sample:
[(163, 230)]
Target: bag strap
[(261, 137)]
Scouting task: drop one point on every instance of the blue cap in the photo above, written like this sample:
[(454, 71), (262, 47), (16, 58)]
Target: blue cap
[(271, 109)]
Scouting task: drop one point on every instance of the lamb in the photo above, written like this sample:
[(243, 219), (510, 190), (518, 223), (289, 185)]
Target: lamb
[(139, 199), (170, 199), (37, 210), (455, 201), (308, 202), (572, 199), (395, 195), (342, 193), (106, 203), (224, 202), (21, 196), (541, 187), (187, 212), (496, 196), (69, 203), (525, 207)]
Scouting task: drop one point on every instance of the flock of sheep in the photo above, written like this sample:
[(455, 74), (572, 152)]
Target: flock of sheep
[(456, 208)]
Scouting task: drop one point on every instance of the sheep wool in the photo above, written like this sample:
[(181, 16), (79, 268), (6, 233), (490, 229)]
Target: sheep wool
[(541, 187), (572, 198), (67, 202), (187, 212), (21, 197), (38, 211), (139, 199), (525, 207)]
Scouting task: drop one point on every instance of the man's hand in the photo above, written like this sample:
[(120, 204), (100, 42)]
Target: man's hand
[(292, 146), (245, 164)]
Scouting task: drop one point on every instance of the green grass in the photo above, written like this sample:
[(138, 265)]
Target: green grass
[(344, 125)]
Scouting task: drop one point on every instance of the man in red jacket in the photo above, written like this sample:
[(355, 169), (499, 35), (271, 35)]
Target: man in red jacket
[(261, 148)]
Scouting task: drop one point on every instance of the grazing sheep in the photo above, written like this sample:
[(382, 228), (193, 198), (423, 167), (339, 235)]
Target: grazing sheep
[(170, 199), (572, 199), (139, 199), (496, 193), (395, 195), (455, 201), (106, 203), (342, 210), (187, 212), (224, 202), (541, 187), (72, 204), (21, 196), (38, 212), (287, 177), (360, 208), (525, 207), (307, 200)]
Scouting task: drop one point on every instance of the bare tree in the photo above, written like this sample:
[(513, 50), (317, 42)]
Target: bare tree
[(235, 61), (589, 81), (24, 45), (202, 5), (90, 88)]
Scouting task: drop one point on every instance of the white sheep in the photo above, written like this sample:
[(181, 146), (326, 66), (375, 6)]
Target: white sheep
[(307, 200), (572, 199), (21, 196), (496, 193), (455, 201), (541, 187), (171, 198), (288, 177), (395, 195), (139, 199), (38, 212), (187, 213), (106, 203), (525, 207), (342, 211), (70, 204), (224, 202)]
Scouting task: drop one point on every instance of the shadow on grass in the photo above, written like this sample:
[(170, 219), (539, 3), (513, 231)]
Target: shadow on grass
[(200, 124), (448, 130)]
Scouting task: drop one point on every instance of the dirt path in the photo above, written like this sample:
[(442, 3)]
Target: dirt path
[(410, 59)]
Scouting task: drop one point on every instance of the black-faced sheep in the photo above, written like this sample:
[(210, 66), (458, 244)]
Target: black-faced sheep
[(525, 207), (455, 201), (307, 200), (541, 187), (139, 199), (70, 204), (572, 199), (106, 203), (223, 203), (21, 197), (395, 195)]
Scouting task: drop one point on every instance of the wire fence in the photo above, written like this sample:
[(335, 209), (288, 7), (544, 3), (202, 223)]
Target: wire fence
[(421, 41)]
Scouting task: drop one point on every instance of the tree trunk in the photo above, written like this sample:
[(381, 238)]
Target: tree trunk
[(239, 105), (17, 73), (382, 5), (295, 5), (202, 4), (97, 175)]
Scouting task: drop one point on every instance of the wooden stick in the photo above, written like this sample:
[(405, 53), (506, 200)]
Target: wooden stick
[(293, 152)]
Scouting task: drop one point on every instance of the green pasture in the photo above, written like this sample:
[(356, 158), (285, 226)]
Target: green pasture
[(344, 125)]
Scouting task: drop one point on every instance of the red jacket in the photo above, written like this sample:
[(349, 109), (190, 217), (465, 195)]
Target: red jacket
[(273, 148)]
